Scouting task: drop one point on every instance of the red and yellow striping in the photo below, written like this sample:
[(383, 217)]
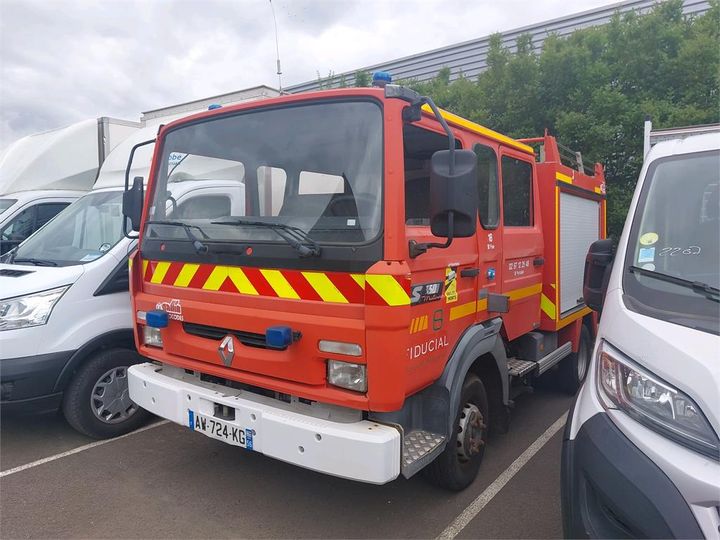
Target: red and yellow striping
[(332, 287)]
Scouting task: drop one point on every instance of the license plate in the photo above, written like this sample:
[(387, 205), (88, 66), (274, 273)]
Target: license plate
[(219, 429)]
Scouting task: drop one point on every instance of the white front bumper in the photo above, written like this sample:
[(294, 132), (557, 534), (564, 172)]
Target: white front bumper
[(358, 450)]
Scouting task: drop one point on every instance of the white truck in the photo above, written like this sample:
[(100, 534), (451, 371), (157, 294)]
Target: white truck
[(43, 173), (66, 335), (641, 453)]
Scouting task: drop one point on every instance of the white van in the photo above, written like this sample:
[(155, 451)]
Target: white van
[(641, 453), (65, 319)]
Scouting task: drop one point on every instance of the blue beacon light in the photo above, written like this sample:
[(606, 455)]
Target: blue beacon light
[(278, 337), (381, 78), (156, 318), (214, 106)]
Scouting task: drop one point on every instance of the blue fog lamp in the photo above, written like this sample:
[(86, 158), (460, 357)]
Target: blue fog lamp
[(156, 318), (381, 78), (278, 337), (214, 106)]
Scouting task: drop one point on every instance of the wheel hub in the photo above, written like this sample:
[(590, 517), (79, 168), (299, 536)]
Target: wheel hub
[(470, 436), (110, 400)]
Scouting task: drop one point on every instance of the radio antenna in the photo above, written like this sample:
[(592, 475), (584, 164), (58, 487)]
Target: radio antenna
[(277, 48)]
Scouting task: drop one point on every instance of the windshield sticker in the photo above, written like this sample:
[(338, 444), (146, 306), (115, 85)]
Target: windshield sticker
[(648, 239), (172, 308), (451, 284), (426, 292), (646, 255), (90, 257), (648, 266)]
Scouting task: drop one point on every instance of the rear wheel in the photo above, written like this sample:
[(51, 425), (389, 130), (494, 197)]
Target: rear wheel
[(97, 401), (458, 465), (574, 368)]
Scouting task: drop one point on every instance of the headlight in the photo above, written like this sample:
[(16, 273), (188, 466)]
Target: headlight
[(29, 310), (347, 375), (624, 385)]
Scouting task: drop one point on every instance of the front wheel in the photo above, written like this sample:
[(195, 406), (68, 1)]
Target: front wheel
[(458, 465), (97, 401), (574, 368)]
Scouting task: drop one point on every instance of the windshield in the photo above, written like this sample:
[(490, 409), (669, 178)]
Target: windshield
[(81, 233), (676, 233), (314, 167), (6, 203)]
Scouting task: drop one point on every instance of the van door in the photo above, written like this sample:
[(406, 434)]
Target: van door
[(522, 244)]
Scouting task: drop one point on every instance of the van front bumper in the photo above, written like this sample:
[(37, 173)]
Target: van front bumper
[(29, 383), (610, 489), (358, 450)]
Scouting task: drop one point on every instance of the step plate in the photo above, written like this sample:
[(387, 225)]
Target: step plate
[(518, 368), (419, 444)]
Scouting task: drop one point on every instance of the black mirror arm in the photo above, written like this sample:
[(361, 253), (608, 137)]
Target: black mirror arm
[(446, 128), (416, 248)]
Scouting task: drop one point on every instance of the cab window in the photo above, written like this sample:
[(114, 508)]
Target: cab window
[(517, 192), (488, 191)]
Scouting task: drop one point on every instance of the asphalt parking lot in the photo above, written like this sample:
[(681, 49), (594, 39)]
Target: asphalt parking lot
[(164, 481)]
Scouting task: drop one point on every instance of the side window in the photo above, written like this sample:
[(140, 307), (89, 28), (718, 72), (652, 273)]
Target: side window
[(47, 211), (488, 193), (517, 192), (271, 189), (418, 147), (205, 207), (21, 226)]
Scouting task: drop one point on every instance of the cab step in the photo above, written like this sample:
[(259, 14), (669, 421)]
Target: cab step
[(519, 368), (420, 448)]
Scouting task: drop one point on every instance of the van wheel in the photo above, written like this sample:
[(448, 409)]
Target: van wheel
[(458, 465), (96, 402), (574, 368)]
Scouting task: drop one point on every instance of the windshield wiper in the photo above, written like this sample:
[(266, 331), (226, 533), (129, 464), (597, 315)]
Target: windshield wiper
[(197, 243), (709, 292), (36, 262), (294, 236)]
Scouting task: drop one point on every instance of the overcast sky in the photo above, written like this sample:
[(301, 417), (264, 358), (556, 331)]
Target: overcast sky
[(64, 61)]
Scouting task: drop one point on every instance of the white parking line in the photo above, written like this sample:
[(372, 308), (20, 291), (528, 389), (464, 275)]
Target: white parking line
[(77, 450), (474, 508)]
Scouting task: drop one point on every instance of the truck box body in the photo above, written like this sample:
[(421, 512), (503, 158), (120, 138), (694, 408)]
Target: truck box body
[(377, 328)]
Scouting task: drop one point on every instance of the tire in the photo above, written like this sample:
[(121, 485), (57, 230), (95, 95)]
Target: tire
[(103, 372), (457, 467), (574, 369)]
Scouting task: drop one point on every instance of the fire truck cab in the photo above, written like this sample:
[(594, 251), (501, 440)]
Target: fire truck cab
[(399, 275)]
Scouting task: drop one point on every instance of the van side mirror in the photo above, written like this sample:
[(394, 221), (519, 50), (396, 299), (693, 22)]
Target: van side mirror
[(598, 264), (453, 198), (132, 205)]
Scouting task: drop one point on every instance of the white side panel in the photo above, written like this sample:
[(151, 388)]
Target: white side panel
[(579, 227)]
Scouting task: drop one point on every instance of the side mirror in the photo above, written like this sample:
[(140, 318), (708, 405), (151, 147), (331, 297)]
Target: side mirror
[(598, 263), (133, 205), (453, 195)]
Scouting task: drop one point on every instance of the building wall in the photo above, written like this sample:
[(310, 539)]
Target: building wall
[(470, 57)]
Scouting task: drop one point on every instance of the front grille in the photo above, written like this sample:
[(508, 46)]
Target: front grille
[(7, 272), (249, 339)]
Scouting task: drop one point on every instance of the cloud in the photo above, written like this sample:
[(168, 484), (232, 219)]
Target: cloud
[(63, 61)]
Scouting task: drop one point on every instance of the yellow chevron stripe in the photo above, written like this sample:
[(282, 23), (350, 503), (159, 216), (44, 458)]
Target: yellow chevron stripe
[(216, 278), (388, 289), (547, 306), (413, 325), (563, 178), (186, 274), (160, 271), (279, 284), (518, 294), (424, 323), (144, 266), (241, 281), (359, 279), (324, 287), (463, 310)]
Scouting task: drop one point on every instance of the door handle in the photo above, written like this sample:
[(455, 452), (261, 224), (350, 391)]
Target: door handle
[(538, 261), (469, 272)]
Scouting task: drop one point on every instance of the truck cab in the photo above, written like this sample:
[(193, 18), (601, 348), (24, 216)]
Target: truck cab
[(641, 454), (391, 287)]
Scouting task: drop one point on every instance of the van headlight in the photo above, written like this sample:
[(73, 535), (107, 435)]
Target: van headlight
[(29, 310), (624, 385)]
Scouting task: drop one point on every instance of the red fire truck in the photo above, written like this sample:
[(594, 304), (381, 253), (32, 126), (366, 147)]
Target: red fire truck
[(398, 276)]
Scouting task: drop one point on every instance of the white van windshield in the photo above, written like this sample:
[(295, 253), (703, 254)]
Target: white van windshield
[(673, 259), (83, 232)]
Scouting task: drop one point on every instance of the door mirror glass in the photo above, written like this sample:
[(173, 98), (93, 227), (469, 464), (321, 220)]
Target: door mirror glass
[(133, 205), (597, 273), (453, 195)]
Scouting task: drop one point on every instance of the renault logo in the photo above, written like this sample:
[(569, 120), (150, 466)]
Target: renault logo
[(226, 350)]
